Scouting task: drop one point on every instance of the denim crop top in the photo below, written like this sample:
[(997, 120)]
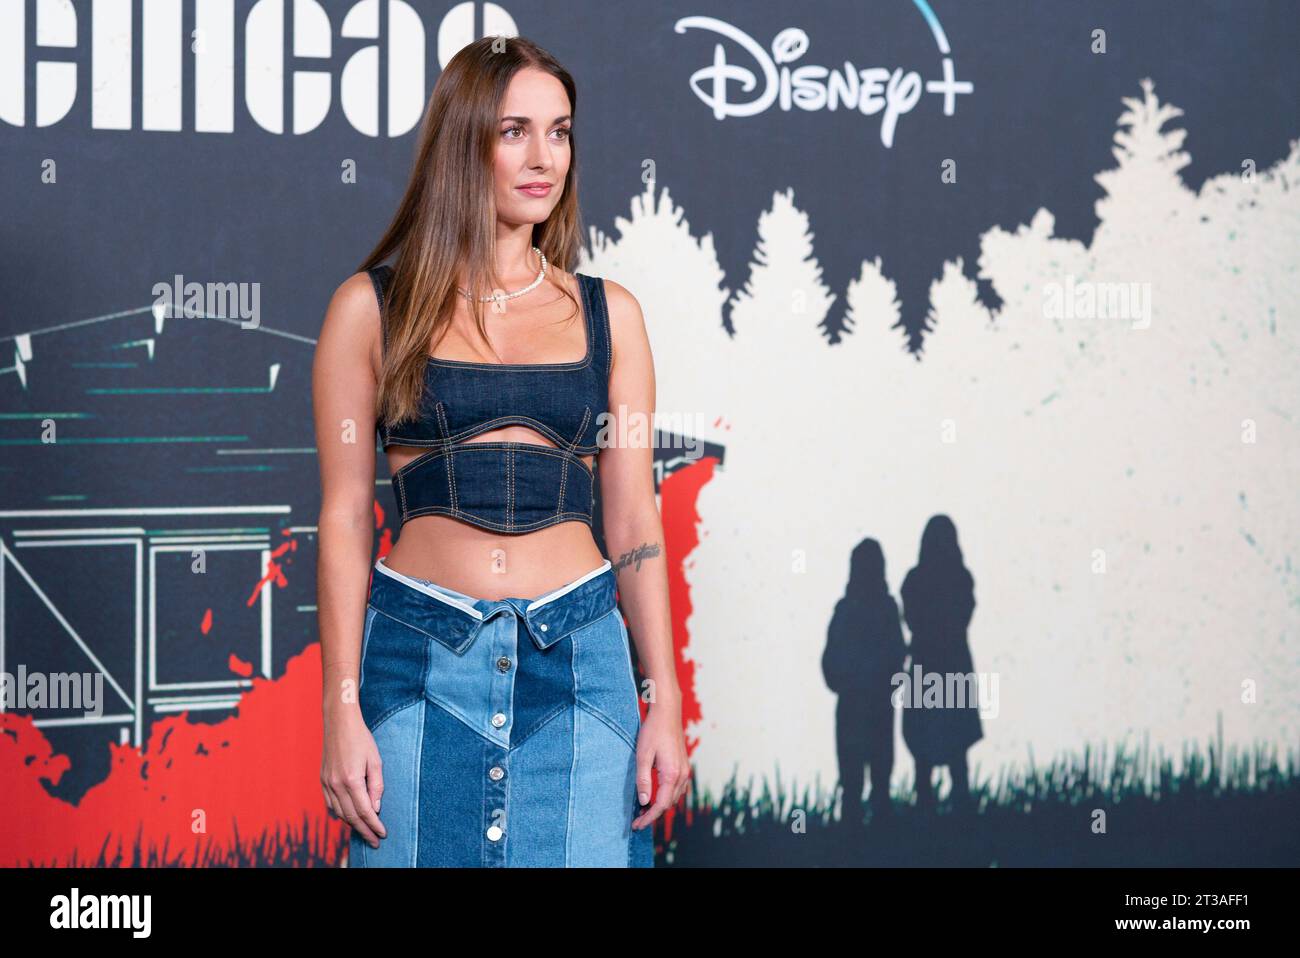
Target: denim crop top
[(507, 487)]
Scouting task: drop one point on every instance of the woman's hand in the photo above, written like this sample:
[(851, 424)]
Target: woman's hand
[(661, 745), (351, 775)]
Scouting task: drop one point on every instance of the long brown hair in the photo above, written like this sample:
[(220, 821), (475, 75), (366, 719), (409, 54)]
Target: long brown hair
[(446, 221)]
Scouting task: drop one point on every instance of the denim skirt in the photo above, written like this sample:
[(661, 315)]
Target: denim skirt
[(506, 728)]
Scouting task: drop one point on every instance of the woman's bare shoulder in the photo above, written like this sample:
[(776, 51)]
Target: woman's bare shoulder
[(354, 307), (351, 325), (624, 309), (357, 294)]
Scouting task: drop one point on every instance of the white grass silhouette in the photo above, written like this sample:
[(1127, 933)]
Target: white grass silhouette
[(1167, 456)]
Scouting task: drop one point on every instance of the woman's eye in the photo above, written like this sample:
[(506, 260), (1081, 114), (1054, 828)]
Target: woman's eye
[(519, 129)]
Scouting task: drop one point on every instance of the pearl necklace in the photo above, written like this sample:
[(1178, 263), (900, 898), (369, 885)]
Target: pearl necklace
[(519, 292)]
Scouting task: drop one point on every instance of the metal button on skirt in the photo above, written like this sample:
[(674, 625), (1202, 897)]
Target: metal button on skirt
[(506, 729)]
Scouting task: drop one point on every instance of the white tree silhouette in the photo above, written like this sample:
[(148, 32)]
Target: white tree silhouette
[(1145, 191), (873, 307), (783, 271)]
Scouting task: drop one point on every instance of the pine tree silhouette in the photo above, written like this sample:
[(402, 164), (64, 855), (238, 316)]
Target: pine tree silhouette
[(784, 277), (1145, 189)]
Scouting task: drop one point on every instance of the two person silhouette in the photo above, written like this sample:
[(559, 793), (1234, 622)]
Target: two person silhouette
[(865, 650)]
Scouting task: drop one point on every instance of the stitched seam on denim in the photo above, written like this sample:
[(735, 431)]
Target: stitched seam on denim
[(487, 847), (418, 460), (505, 849), (495, 445), (518, 367), (509, 420), (365, 642), (498, 526), (462, 447), (391, 711), (501, 526), (419, 751), (537, 726), (509, 779), (401, 492), (564, 471), (421, 441), (588, 320), (605, 327), (525, 448), (439, 445), (610, 721), (577, 740), (510, 489), (577, 680), (627, 655), (474, 520), (451, 466), (471, 724), (576, 365)]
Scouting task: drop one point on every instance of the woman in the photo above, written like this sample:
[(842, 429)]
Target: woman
[(480, 690), (864, 652), (938, 603)]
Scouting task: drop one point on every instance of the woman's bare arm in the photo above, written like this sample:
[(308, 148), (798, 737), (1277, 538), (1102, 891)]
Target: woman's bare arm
[(344, 390), (634, 537)]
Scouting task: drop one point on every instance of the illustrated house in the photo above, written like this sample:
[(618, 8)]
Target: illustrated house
[(158, 521)]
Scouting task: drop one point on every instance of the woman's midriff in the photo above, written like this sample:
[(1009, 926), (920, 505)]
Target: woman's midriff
[(485, 564)]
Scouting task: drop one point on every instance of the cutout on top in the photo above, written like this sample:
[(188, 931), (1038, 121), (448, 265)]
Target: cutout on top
[(400, 456)]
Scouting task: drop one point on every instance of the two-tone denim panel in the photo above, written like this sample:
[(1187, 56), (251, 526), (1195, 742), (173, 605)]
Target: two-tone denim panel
[(641, 847), (602, 675), (389, 683), (389, 695), (520, 749)]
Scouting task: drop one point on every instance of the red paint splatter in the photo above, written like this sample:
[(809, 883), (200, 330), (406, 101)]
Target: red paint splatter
[(679, 494), (239, 666), (254, 778), (385, 533), (205, 626), (274, 571)]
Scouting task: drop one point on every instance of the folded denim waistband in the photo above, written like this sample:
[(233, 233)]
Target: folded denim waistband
[(548, 618)]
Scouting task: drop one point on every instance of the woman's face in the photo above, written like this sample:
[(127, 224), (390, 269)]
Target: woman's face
[(532, 147)]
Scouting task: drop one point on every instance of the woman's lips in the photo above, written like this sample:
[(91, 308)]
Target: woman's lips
[(534, 190)]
